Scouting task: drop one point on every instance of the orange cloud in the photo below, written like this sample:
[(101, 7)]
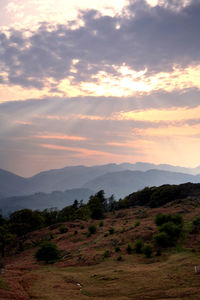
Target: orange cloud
[(75, 149), (62, 137), (170, 131)]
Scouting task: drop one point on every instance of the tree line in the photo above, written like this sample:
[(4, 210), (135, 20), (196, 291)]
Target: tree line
[(21, 222)]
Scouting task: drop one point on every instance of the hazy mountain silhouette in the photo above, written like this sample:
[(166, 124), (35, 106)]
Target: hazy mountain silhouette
[(11, 184), (41, 200), (118, 179), (125, 182), (52, 180)]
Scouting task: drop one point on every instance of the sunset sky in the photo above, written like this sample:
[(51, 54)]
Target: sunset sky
[(95, 82)]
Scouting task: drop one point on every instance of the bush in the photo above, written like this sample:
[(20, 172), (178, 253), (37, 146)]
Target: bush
[(107, 254), (137, 223), (147, 250), (82, 226), (63, 229), (111, 230), (129, 249), (162, 240), (160, 219), (75, 232), (92, 229), (171, 229), (101, 223), (117, 249), (196, 222), (48, 252), (138, 246), (119, 258)]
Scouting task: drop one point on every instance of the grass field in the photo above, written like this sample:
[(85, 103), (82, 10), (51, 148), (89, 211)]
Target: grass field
[(84, 272), (133, 278)]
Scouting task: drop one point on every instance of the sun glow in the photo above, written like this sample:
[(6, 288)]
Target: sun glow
[(31, 13), (157, 115), (127, 82)]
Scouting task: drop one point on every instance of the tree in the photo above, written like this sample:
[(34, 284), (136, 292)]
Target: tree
[(25, 220), (75, 204), (5, 238), (48, 252), (97, 205), (111, 203), (96, 208), (68, 213), (50, 216), (2, 220)]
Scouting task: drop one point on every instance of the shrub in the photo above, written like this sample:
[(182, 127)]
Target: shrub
[(129, 249), (158, 252), (138, 246), (106, 254), (92, 229), (75, 232), (196, 222), (82, 226), (63, 229), (160, 219), (48, 252), (101, 223), (119, 258), (117, 249), (162, 239), (171, 229), (137, 223), (111, 230), (147, 250)]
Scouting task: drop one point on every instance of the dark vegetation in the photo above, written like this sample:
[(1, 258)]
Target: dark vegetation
[(48, 252), (14, 229), (158, 196), (152, 247)]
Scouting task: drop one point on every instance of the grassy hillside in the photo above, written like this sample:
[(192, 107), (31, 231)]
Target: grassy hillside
[(98, 266)]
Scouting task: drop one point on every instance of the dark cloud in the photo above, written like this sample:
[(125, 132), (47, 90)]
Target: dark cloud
[(153, 38)]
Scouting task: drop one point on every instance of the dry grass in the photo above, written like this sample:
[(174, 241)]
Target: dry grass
[(133, 278), (85, 274)]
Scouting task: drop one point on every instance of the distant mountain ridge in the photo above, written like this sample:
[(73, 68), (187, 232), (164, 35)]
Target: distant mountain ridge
[(79, 182), (42, 201), (126, 182), (74, 177)]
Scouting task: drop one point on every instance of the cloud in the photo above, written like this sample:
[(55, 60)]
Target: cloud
[(52, 133), (154, 38), (61, 137)]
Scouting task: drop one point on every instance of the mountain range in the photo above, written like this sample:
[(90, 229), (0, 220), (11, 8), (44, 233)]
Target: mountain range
[(58, 188)]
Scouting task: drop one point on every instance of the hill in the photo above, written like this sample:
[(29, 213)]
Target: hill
[(125, 182), (42, 201), (112, 178), (98, 265), (52, 180), (81, 176), (11, 184)]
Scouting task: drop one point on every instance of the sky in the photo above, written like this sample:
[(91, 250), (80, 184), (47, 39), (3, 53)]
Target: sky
[(94, 82)]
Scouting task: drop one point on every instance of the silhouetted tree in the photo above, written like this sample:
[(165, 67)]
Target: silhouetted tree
[(24, 221), (5, 238)]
